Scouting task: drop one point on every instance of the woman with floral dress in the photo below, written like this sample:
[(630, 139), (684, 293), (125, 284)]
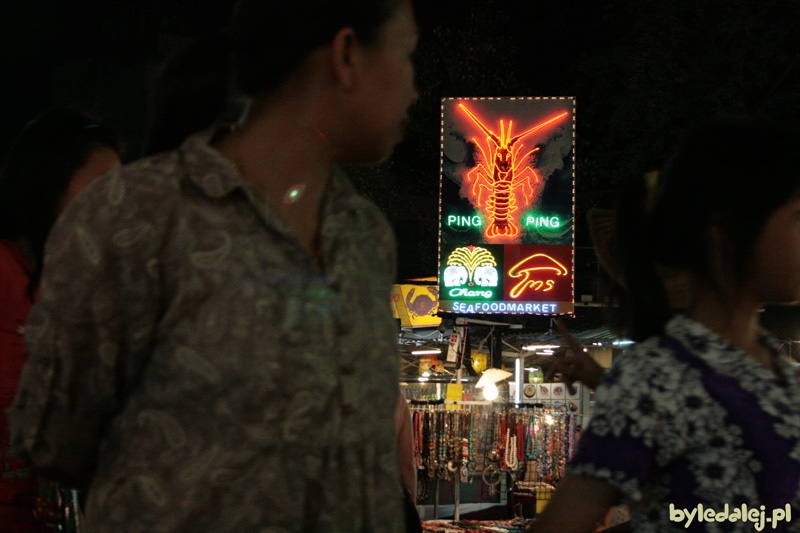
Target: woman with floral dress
[(697, 427)]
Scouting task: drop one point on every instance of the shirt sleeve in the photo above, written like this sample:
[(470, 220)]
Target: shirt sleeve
[(89, 333), (620, 444)]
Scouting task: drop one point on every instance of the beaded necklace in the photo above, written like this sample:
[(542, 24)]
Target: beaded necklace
[(464, 472), (501, 442), (571, 436), (545, 460), (418, 444), (442, 462), (520, 441), (452, 440), (472, 463), (557, 449), (531, 439), (432, 437), (511, 450)]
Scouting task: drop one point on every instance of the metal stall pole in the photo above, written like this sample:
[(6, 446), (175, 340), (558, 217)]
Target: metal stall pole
[(457, 477)]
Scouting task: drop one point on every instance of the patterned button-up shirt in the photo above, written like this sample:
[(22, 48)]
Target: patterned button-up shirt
[(195, 365), (686, 420)]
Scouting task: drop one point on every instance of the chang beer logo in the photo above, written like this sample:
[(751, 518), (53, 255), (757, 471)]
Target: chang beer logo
[(471, 272)]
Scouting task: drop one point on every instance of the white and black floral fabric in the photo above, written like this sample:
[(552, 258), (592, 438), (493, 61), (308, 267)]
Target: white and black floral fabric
[(192, 359), (688, 419)]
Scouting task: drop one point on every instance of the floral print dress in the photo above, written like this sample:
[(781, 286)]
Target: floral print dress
[(687, 419)]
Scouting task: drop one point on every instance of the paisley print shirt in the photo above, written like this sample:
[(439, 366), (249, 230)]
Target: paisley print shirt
[(193, 362), (687, 419)]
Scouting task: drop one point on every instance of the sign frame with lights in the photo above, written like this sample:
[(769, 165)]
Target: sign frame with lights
[(509, 198)]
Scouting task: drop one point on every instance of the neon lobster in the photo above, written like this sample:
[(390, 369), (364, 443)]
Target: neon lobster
[(503, 179)]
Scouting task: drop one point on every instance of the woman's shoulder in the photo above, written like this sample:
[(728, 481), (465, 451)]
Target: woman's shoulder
[(644, 357), (129, 206), (153, 173), (651, 365), (144, 184)]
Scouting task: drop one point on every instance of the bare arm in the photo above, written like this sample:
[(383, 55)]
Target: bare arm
[(578, 504), (575, 365)]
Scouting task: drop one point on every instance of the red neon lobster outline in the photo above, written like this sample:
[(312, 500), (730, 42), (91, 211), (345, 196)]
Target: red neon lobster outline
[(503, 179)]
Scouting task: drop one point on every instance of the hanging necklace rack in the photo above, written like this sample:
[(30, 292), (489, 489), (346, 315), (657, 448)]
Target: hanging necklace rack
[(488, 440)]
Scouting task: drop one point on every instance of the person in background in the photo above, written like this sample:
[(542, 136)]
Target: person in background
[(228, 359), (54, 157), (408, 467), (705, 408)]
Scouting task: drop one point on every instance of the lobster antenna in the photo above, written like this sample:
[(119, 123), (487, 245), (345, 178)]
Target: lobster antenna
[(483, 128), (540, 126), (516, 158)]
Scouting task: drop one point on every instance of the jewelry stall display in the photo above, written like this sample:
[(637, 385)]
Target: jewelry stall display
[(531, 444)]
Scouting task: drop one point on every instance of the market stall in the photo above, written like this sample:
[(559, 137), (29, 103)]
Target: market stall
[(479, 459)]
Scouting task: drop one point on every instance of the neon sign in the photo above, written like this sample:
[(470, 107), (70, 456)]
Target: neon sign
[(470, 266), (505, 176), (506, 307), (542, 222), (465, 221), (531, 269), (506, 206)]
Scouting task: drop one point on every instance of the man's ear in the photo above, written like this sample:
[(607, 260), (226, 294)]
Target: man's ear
[(345, 57)]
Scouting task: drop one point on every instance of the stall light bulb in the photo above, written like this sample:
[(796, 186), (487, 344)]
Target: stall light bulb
[(490, 392), (549, 420)]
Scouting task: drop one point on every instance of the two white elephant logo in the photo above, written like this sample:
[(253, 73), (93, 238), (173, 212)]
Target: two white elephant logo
[(470, 265)]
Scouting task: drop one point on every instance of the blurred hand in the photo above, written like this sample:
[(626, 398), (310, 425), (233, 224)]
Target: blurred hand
[(574, 364)]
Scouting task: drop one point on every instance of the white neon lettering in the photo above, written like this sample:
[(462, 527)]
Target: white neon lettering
[(504, 307), (455, 293), (540, 222), (465, 221)]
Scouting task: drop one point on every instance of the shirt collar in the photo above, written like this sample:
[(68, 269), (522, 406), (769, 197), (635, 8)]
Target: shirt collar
[(213, 173), (216, 176)]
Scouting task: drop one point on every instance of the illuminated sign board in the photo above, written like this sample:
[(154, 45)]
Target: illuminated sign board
[(415, 305), (507, 206)]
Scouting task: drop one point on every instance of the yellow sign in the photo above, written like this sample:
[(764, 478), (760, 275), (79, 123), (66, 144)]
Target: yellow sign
[(455, 393), (415, 305)]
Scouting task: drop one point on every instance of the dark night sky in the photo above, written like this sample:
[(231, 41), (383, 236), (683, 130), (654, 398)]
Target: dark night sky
[(640, 72)]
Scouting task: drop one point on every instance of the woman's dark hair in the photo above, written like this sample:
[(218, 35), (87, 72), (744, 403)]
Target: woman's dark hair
[(733, 173), (37, 171), (265, 42)]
